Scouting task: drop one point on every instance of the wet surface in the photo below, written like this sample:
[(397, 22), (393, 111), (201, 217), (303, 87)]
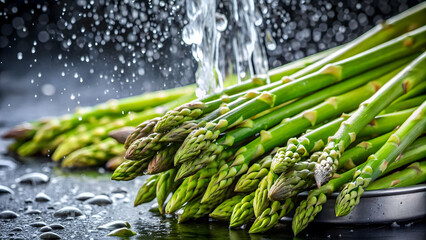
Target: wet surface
[(80, 202), (50, 202)]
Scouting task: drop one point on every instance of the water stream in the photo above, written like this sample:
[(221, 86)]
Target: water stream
[(208, 31)]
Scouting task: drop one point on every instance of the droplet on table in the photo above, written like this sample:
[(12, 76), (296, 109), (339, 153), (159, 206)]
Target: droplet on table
[(33, 178), (42, 197), (84, 196), (8, 214), (100, 200), (68, 212)]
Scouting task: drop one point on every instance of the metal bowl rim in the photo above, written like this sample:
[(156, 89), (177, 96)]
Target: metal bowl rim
[(383, 192)]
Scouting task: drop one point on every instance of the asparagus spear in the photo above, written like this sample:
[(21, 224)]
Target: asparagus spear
[(261, 201), (309, 208), (299, 149), (223, 212), (165, 186), (57, 126), (243, 211), (290, 183), (249, 181), (339, 71), (101, 132), (186, 170), (163, 160), (416, 91), (148, 191), (141, 148), (403, 82), (251, 127), (271, 215), (129, 170), (195, 209), (378, 162), (142, 130), (192, 187), (412, 175), (289, 128), (412, 102), (93, 155), (391, 28), (25, 131)]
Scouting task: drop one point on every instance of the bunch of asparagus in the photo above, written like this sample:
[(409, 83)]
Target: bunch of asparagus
[(81, 139), (346, 118)]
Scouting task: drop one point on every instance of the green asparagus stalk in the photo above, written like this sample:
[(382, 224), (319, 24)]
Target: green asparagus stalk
[(142, 130), (279, 134), (165, 186), (224, 211), (77, 141), (409, 103), (163, 160), (249, 181), (288, 184), (310, 207), (261, 201), (148, 191), (142, 148), (195, 209), (57, 126), (32, 147), (378, 162), (391, 28), (192, 187), (243, 211), (299, 149), (412, 175), (129, 170), (25, 131), (251, 127), (359, 153), (397, 86), (188, 169), (93, 155), (271, 215), (339, 71), (416, 91)]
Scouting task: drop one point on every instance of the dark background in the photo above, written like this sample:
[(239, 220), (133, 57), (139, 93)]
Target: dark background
[(56, 55)]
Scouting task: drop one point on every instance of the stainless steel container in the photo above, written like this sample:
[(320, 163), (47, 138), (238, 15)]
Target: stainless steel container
[(378, 206)]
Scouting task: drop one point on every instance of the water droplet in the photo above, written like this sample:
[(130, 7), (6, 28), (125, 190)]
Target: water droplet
[(19, 56), (49, 235), (7, 214), (99, 200), (38, 224), (270, 42), (33, 178), (72, 97), (68, 212), (84, 196), (5, 190), (42, 197), (48, 89), (221, 22)]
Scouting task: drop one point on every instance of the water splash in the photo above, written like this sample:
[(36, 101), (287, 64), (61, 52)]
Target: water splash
[(204, 32)]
